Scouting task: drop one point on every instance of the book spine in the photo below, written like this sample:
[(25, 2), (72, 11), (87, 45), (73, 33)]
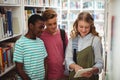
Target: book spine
[(1, 60), (9, 17), (1, 27)]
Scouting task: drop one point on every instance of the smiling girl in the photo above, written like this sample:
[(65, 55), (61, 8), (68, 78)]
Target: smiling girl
[(84, 48)]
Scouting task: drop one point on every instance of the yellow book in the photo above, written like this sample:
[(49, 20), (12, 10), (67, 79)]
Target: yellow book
[(1, 60)]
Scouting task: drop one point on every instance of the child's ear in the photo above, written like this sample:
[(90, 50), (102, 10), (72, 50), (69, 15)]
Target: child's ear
[(31, 26)]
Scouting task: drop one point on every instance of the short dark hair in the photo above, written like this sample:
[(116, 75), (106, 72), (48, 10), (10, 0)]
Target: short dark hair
[(34, 18)]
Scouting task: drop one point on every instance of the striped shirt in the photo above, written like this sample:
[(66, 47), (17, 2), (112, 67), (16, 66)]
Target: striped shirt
[(32, 54)]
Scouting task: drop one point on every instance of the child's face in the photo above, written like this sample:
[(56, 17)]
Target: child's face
[(83, 28), (38, 28), (51, 25)]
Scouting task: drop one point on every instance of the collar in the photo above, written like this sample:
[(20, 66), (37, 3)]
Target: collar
[(88, 36)]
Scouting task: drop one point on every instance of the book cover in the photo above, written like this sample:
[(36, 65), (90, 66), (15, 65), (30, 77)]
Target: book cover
[(81, 71)]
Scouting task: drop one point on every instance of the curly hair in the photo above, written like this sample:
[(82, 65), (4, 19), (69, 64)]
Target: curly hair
[(87, 17)]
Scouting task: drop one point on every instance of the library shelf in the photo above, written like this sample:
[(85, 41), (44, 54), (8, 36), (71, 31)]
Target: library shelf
[(7, 70)]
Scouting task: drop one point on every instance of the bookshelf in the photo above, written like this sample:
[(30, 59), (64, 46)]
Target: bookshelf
[(7, 70), (19, 12), (70, 9), (10, 21), (37, 7)]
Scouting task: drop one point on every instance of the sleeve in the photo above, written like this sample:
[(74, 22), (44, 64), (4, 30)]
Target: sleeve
[(44, 50), (98, 53), (69, 54), (18, 53)]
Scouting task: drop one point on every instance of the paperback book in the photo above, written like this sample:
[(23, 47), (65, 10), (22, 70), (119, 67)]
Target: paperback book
[(81, 71)]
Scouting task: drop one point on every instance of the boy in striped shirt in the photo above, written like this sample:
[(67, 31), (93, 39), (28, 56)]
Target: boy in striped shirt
[(30, 52)]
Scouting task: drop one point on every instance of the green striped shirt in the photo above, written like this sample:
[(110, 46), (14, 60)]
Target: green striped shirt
[(32, 54)]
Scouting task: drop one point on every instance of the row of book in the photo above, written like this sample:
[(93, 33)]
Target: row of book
[(75, 5), (64, 4), (28, 12), (6, 55), (41, 2), (98, 16), (64, 15), (73, 15), (99, 5), (6, 29), (10, 1), (85, 5), (88, 5), (34, 2), (93, 4)]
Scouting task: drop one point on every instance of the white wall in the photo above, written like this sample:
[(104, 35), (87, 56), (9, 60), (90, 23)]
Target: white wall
[(113, 45), (116, 42)]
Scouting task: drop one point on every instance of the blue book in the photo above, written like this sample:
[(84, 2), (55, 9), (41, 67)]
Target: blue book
[(9, 20)]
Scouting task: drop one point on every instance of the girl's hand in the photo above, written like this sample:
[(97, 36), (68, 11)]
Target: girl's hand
[(90, 73), (77, 67), (95, 70), (87, 74)]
